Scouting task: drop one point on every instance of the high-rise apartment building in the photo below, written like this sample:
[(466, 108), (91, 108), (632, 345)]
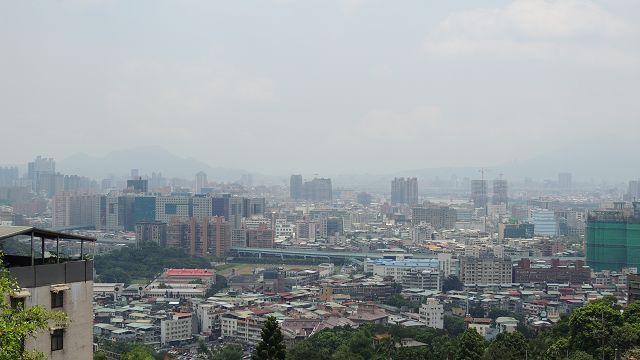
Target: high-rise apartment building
[(295, 187), (73, 210), (404, 191), (8, 175), (38, 167), (479, 193), (500, 192), (200, 236), (564, 180), (201, 182)]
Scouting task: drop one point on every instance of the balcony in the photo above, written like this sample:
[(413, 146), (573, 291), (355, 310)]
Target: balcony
[(36, 257)]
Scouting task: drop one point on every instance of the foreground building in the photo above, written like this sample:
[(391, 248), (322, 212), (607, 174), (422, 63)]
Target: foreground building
[(58, 276)]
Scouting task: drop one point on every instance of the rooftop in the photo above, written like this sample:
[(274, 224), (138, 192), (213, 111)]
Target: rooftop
[(188, 272), (11, 231)]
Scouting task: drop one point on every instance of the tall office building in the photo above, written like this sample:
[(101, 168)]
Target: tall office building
[(153, 232), (564, 180), (138, 185), (404, 191), (201, 182), (254, 207), (318, 189), (295, 187), (500, 192), (479, 193), (633, 191), (168, 207), (544, 222), (8, 175)]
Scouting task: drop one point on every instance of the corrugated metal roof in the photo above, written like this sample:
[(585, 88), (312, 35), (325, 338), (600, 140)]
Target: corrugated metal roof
[(10, 231)]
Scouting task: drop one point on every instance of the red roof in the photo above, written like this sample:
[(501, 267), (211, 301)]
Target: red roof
[(188, 272)]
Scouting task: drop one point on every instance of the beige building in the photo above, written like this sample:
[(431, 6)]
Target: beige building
[(486, 270), (58, 276), (178, 328)]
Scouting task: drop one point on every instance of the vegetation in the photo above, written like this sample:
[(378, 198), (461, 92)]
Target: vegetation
[(17, 323), (271, 347), (452, 282), (145, 262), (129, 351), (598, 330), (221, 283), (399, 301), (228, 352)]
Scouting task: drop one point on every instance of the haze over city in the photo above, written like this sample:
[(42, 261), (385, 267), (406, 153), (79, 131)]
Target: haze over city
[(333, 87)]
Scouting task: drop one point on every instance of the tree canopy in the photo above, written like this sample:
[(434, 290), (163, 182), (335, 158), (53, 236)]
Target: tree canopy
[(271, 347)]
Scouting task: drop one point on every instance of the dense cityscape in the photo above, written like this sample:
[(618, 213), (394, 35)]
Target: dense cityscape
[(192, 268), (320, 180)]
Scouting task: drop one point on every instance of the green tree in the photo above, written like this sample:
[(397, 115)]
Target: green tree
[(632, 313), (138, 352), (271, 347), (581, 355), (17, 323), (220, 283), (559, 349), (443, 347), (591, 327), (507, 346), (99, 355), (452, 282), (454, 325), (361, 344), (471, 346), (229, 352)]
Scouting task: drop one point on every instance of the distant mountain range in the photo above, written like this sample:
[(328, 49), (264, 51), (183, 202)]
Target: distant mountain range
[(146, 160), (613, 161)]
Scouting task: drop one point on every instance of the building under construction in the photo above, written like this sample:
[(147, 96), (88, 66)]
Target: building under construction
[(613, 239), (479, 193)]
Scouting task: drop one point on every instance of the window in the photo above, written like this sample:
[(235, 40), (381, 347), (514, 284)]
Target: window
[(57, 339), (57, 299)]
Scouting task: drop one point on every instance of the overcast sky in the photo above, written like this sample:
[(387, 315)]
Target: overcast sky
[(326, 86)]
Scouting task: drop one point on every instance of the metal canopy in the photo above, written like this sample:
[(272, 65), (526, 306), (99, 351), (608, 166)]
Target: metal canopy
[(11, 231)]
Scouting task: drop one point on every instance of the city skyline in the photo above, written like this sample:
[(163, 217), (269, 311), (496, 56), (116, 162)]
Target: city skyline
[(481, 79)]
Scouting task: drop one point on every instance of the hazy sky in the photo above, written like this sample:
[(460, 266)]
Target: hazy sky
[(322, 86)]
